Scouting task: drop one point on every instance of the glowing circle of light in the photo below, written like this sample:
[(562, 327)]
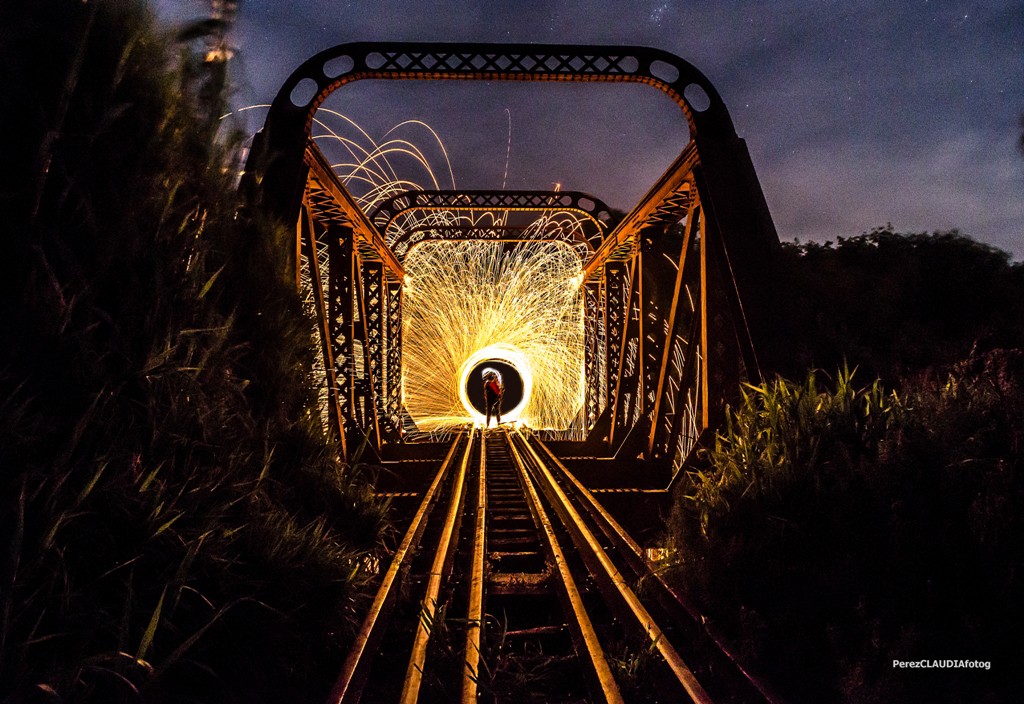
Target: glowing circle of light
[(512, 356), (479, 300)]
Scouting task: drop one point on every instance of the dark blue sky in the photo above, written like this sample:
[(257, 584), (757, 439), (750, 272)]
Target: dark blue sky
[(856, 113)]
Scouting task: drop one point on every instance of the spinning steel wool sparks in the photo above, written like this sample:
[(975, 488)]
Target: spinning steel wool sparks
[(466, 302), (469, 302)]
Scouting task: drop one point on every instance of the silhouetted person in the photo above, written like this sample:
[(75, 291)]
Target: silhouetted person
[(493, 392)]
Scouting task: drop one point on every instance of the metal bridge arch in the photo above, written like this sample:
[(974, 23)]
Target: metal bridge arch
[(679, 295), (593, 209), (512, 234), (290, 118)]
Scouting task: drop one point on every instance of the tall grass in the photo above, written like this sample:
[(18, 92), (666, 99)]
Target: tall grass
[(836, 528), (783, 434), (175, 526)]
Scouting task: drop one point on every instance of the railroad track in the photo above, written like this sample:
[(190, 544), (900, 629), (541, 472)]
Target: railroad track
[(513, 584)]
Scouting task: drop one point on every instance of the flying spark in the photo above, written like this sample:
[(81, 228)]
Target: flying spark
[(471, 301)]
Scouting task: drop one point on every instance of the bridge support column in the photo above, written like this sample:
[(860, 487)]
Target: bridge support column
[(592, 354), (341, 311), (373, 316), (617, 286), (393, 378), (307, 237)]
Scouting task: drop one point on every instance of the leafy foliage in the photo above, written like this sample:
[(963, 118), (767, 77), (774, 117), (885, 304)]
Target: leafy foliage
[(175, 525), (897, 303), (836, 529)]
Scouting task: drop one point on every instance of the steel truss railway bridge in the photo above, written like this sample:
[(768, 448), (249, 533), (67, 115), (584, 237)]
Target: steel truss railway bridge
[(677, 309)]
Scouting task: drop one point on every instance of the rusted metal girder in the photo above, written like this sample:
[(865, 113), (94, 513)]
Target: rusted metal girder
[(505, 201), (274, 161), (393, 367), (665, 203), (330, 201), (322, 74), (308, 240), (489, 233), (592, 357), (343, 280), (737, 238)]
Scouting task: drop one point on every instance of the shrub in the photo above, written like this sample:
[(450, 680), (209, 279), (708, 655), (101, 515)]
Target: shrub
[(835, 530), (896, 302)]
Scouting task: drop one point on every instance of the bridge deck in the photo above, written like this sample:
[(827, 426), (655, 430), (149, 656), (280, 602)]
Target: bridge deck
[(514, 583)]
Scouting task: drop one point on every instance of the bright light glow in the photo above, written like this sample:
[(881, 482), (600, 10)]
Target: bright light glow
[(472, 300), (502, 353), (476, 301), (491, 370)]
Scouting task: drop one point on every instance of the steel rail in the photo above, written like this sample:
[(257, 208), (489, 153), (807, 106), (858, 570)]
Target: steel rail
[(581, 620), (593, 505), (347, 688), (615, 532), (475, 612), (428, 610), (588, 541)]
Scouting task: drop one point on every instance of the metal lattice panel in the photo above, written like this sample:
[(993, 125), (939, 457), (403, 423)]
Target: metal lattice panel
[(374, 292), (342, 321), (592, 352), (457, 233), (658, 352), (335, 67), (628, 397), (672, 208), (595, 211), (617, 293), (394, 353)]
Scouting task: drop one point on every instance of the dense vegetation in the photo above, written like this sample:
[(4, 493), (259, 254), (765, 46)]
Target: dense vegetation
[(895, 303), (841, 523), (174, 525)]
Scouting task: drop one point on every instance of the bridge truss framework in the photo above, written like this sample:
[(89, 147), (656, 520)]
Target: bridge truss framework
[(677, 296)]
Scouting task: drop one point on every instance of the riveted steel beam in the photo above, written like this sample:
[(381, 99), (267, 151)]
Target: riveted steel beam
[(666, 202), (331, 202), (489, 233), (594, 210)]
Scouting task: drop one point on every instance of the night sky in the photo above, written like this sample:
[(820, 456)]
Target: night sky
[(856, 114)]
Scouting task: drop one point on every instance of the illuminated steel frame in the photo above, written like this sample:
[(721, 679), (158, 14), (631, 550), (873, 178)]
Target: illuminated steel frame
[(419, 234), (393, 217), (679, 293), (595, 389), (389, 213)]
